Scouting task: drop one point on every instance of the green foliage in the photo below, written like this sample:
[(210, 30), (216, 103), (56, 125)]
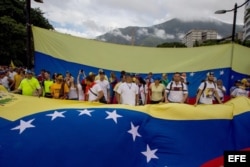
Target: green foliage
[(246, 43), (13, 33), (171, 45)]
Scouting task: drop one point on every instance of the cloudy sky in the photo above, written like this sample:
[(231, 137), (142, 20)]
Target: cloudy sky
[(90, 18)]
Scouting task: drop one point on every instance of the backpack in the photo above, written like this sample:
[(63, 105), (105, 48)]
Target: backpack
[(171, 85), (205, 86)]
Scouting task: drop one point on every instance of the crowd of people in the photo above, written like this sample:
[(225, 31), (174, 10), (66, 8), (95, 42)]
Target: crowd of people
[(130, 89)]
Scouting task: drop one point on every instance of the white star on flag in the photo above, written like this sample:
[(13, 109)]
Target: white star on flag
[(150, 154), (113, 115), (56, 114), (192, 74), (134, 131), (24, 125), (232, 77), (85, 111), (221, 72)]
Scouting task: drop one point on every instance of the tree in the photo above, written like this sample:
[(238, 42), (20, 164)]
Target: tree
[(13, 30), (171, 45)]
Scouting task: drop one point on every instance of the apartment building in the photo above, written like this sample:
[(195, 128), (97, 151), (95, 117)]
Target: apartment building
[(246, 29), (194, 36)]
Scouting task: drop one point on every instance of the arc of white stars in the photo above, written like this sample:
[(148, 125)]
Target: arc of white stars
[(85, 112), (56, 114), (221, 72), (150, 154), (134, 131), (24, 125), (113, 115), (192, 74)]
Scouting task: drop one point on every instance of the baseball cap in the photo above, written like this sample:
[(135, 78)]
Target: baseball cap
[(29, 72), (210, 73), (129, 75)]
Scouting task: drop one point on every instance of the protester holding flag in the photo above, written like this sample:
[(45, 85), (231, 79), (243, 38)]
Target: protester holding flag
[(29, 86), (59, 89), (207, 90), (127, 92)]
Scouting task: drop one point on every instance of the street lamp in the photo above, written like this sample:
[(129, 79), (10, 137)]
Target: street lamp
[(28, 29), (235, 14)]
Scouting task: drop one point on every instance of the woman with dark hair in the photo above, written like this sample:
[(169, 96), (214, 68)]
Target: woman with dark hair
[(157, 91), (143, 91)]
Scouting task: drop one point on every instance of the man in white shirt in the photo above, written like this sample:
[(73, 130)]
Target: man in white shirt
[(4, 80), (240, 91), (176, 91), (127, 92), (98, 76), (104, 85), (207, 90), (94, 92)]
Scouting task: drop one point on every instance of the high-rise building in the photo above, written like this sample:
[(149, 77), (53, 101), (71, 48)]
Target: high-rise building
[(198, 36), (246, 35)]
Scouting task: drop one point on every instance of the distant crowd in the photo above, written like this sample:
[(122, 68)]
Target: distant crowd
[(130, 89)]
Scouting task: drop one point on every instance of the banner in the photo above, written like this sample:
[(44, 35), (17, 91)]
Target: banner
[(48, 132), (59, 53)]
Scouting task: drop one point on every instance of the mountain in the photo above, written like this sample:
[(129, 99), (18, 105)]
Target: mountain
[(169, 31)]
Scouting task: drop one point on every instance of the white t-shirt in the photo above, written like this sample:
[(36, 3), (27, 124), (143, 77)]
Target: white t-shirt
[(5, 82), (95, 89), (128, 92), (220, 92), (73, 93), (143, 90), (240, 92), (208, 93), (105, 87), (176, 91), (80, 92), (12, 74)]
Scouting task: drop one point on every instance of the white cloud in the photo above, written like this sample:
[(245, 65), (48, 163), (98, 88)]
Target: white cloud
[(95, 17), (160, 33), (142, 31), (117, 32), (180, 35)]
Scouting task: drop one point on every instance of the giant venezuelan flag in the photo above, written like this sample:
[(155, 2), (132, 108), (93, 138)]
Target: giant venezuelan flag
[(60, 53), (39, 132)]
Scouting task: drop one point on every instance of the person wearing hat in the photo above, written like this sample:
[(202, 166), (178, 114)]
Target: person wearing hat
[(156, 91), (176, 91), (29, 86), (207, 91), (98, 76), (104, 85), (240, 90), (237, 83), (59, 89), (127, 92)]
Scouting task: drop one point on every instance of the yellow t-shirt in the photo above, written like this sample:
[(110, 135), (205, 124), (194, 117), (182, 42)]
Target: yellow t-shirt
[(56, 88), (17, 78), (28, 86), (98, 77), (157, 92)]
